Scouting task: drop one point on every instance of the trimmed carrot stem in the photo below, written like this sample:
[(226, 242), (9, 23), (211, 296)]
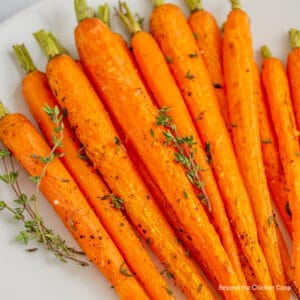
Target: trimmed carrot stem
[(103, 14)]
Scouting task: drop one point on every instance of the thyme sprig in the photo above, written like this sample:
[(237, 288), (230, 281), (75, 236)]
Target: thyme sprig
[(26, 210), (185, 152)]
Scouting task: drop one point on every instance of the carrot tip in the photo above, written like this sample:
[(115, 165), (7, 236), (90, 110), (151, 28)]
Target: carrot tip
[(82, 10), (3, 110), (294, 37), (24, 58), (194, 5), (266, 52), (128, 19), (235, 4), (103, 14)]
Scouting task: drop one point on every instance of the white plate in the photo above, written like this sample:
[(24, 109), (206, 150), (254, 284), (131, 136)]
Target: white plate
[(37, 275)]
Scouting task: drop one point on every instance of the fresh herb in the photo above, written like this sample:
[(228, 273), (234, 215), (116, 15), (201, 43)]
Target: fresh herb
[(185, 151), (185, 194), (124, 271), (117, 141), (189, 75), (208, 153), (26, 210), (169, 59), (267, 141), (115, 201)]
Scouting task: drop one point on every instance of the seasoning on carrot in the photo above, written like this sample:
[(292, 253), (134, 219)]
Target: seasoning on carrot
[(277, 88), (151, 61), (242, 86), (173, 34), (293, 72), (25, 143), (106, 205), (209, 40), (117, 82), (87, 115)]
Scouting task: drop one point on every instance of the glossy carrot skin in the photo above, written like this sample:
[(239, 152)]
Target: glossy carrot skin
[(154, 68), (69, 203), (242, 84), (96, 132), (272, 163), (123, 92), (210, 41), (293, 72), (278, 93), (37, 93), (170, 29)]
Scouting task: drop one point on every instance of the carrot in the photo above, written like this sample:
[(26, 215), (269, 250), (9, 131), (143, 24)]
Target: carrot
[(242, 84), (279, 99), (95, 131), (37, 94), (272, 163), (117, 82), (151, 61), (293, 71), (59, 188), (171, 30), (209, 40)]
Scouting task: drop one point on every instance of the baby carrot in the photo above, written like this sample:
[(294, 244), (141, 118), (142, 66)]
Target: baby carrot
[(103, 146), (242, 86), (293, 72), (278, 93), (151, 61), (23, 141), (209, 40), (173, 34), (107, 206)]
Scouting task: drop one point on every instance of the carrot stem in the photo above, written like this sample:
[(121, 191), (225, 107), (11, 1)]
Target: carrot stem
[(157, 3), (103, 14), (235, 4), (24, 58), (3, 110), (48, 44), (294, 36), (82, 10), (128, 19), (266, 52), (194, 5)]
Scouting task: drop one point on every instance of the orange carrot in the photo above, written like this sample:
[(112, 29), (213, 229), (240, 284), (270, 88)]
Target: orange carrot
[(209, 40), (107, 206), (59, 188), (293, 72), (123, 92), (171, 30), (242, 84), (151, 61), (95, 131), (278, 93), (273, 166)]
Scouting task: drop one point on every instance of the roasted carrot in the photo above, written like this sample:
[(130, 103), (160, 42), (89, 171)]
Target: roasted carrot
[(209, 39), (154, 68), (277, 88), (59, 188), (272, 163), (107, 206), (242, 85), (173, 34), (293, 72), (117, 82), (103, 146)]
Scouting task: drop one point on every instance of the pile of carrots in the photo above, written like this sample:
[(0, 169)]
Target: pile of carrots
[(179, 137)]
